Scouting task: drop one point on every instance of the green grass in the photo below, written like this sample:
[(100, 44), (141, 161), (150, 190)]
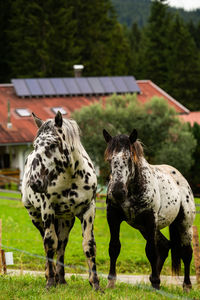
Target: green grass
[(24, 240), (29, 287)]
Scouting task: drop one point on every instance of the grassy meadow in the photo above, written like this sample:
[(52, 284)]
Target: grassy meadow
[(33, 288), (23, 239)]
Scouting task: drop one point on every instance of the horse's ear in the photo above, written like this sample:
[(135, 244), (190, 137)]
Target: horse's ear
[(107, 136), (58, 119), (37, 120), (133, 136)]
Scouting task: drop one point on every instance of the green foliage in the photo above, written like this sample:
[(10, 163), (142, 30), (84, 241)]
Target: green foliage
[(183, 58), (32, 287), (155, 41), (166, 139), (195, 168), (5, 14), (134, 11), (46, 39), (42, 37), (169, 55)]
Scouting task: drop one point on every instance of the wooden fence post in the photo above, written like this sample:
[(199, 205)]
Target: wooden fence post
[(196, 251), (2, 253)]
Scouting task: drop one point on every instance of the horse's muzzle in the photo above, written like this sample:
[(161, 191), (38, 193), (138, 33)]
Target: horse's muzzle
[(119, 192), (39, 186)]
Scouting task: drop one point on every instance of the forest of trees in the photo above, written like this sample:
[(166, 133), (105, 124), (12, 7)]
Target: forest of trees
[(45, 39), (138, 11)]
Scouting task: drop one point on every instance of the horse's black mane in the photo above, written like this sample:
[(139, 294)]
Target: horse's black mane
[(122, 142)]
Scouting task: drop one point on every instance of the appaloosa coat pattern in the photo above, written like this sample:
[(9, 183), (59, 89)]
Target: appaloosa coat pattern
[(149, 198), (60, 184)]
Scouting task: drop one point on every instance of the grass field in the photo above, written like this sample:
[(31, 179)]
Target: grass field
[(29, 287), (22, 238)]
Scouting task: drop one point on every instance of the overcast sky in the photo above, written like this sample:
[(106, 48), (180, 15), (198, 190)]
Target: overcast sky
[(186, 4)]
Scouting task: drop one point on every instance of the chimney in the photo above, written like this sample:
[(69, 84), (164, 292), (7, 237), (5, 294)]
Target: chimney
[(78, 70), (9, 124)]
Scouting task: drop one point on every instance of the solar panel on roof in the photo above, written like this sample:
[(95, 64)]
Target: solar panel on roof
[(34, 87), (107, 84), (96, 85), (59, 86), (119, 84), (20, 87), (75, 86), (46, 87), (131, 84), (83, 85), (71, 86)]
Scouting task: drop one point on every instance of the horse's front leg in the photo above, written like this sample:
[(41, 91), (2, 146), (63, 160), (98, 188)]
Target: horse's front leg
[(114, 219), (149, 232), (50, 245), (63, 229), (89, 245)]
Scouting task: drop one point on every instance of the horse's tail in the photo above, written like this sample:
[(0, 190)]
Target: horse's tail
[(175, 242)]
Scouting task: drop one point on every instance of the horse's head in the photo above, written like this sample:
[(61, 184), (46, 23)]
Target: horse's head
[(51, 155), (121, 155)]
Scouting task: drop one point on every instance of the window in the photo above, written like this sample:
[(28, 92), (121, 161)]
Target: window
[(56, 109), (23, 112)]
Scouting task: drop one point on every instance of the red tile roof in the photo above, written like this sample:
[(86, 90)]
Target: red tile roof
[(150, 89), (23, 129), (192, 117)]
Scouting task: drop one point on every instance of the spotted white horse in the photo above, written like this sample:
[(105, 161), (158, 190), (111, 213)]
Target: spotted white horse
[(149, 198), (60, 184)]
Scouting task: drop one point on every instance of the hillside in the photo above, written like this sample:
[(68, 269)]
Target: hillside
[(137, 11)]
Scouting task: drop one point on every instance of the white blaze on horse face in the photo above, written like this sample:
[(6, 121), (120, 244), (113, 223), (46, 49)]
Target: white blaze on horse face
[(121, 170)]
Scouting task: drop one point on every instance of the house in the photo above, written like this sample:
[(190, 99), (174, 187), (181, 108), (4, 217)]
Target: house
[(45, 96)]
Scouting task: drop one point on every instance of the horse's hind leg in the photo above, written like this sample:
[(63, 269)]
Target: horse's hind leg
[(163, 245), (63, 228), (89, 245), (186, 255)]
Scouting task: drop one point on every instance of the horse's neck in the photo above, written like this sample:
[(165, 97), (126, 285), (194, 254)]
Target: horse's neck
[(78, 157), (142, 171)]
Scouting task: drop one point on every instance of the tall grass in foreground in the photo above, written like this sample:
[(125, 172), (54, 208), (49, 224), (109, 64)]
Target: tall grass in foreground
[(30, 287)]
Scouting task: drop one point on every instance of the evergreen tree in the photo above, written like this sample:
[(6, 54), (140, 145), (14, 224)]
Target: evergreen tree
[(195, 168), (42, 38), (100, 38), (154, 43), (195, 32), (183, 66), (4, 41), (135, 41)]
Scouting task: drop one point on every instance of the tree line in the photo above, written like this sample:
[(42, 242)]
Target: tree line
[(138, 11), (45, 38)]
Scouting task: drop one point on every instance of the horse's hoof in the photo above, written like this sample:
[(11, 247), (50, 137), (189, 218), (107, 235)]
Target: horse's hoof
[(156, 286), (111, 284), (187, 287), (50, 283), (96, 286), (62, 281)]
